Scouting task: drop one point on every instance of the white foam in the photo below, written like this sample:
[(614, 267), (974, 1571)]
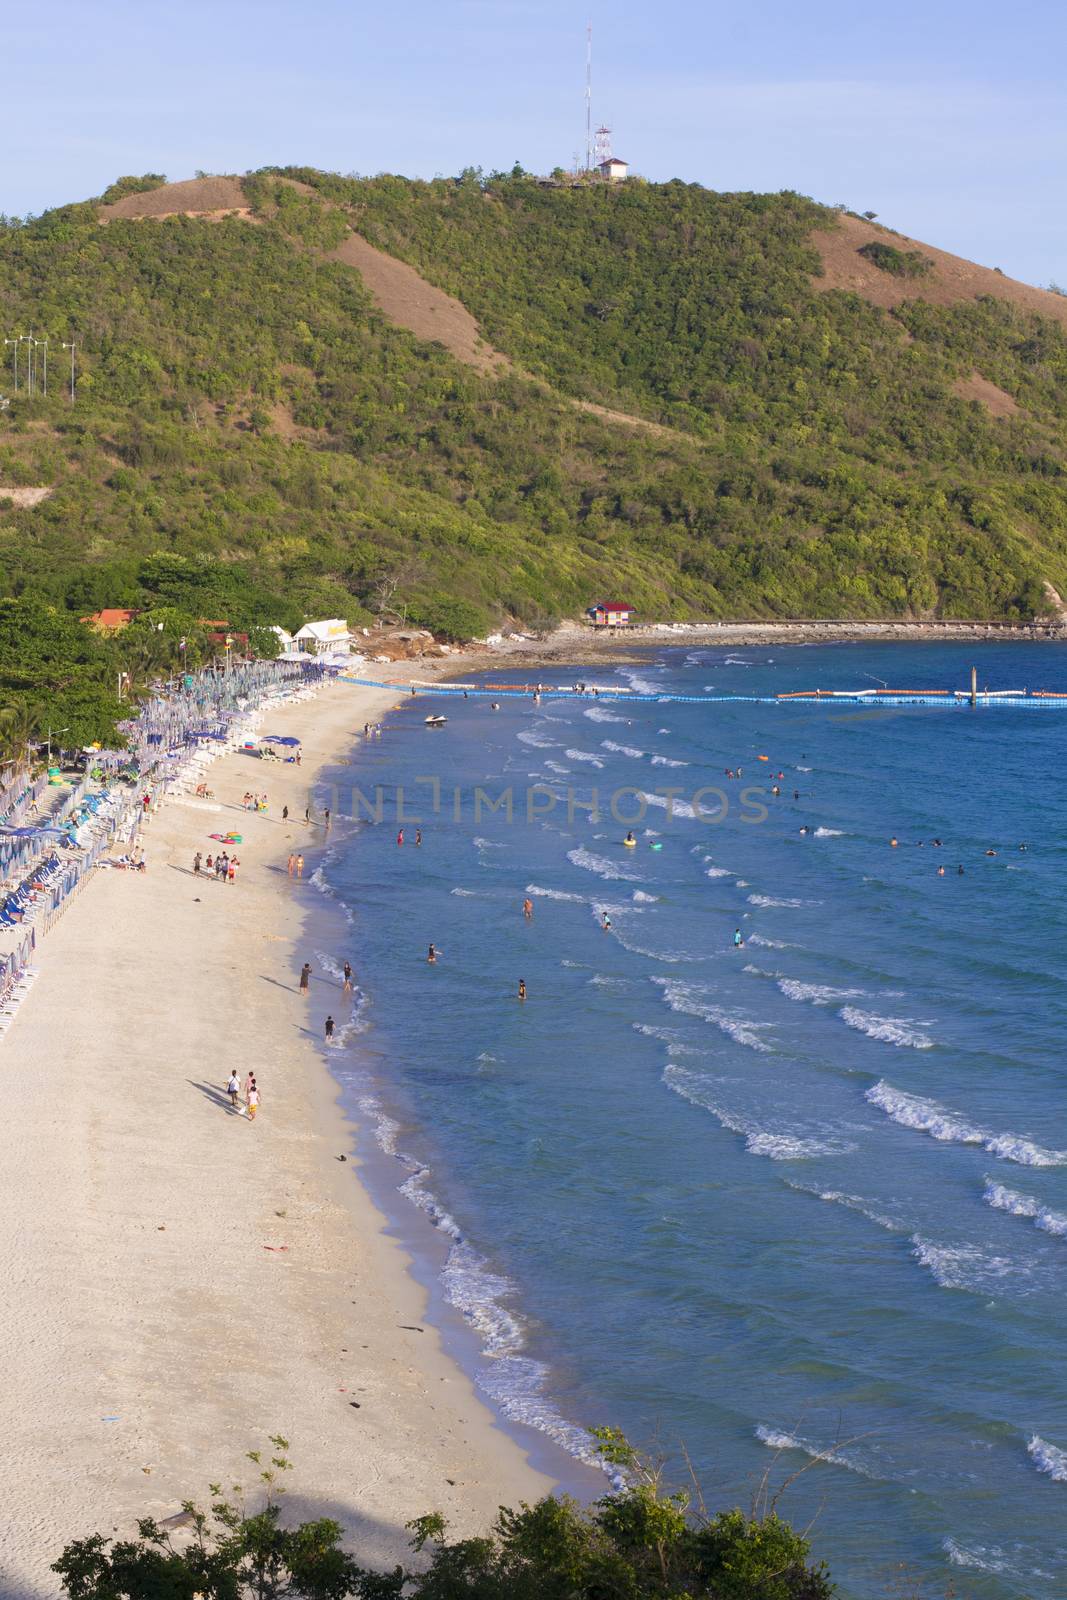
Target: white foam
[(667, 761), (532, 736), (980, 1558), (926, 1116), (511, 1379), (622, 749), (829, 833), (586, 756), (642, 898), (777, 1144), (598, 714), (603, 868), (820, 994), (1048, 1458), (770, 900), (962, 1266), (641, 685), (694, 1002), (676, 806), (466, 894), (778, 1439), (488, 844), (1025, 1205), (718, 872), (553, 894), (557, 767), (769, 944), (890, 1030), (851, 1202)]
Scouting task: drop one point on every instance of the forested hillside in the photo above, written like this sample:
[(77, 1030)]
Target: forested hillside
[(252, 437)]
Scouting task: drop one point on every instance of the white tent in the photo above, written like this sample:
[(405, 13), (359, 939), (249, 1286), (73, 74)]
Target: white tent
[(329, 638)]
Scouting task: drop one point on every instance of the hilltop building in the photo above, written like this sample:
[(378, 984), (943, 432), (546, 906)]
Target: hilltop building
[(613, 169)]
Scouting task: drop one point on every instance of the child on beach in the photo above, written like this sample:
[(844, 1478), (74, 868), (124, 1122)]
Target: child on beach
[(252, 1097), (328, 1026)]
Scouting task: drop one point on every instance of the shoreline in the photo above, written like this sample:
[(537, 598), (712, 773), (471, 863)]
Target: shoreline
[(182, 1284), (575, 644)]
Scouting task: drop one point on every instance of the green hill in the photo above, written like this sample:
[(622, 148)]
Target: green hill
[(254, 437)]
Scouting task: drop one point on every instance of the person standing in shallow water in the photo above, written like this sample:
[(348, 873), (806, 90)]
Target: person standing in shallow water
[(522, 988), (347, 977), (305, 977), (328, 1028)]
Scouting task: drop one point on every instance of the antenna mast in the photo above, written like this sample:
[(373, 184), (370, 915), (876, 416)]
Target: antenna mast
[(588, 96)]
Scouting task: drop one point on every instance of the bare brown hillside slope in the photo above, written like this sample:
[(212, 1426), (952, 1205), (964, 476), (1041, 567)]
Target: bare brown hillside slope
[(952, 280)]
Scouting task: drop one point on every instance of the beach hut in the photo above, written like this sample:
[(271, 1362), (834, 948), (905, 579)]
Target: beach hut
[(328, 638), (613, 615)]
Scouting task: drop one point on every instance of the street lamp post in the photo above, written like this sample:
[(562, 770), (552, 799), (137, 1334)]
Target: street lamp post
[(52, 731)]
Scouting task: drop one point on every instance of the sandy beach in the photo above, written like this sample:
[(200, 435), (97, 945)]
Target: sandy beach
[(181, 1283)]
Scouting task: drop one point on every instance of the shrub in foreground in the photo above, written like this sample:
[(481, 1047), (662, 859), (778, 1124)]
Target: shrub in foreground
[(636, 1543)]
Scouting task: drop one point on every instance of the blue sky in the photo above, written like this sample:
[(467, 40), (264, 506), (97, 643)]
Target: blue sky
[(948, 119)]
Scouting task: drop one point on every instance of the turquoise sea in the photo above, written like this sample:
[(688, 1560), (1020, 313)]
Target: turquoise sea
[(801, 1203)]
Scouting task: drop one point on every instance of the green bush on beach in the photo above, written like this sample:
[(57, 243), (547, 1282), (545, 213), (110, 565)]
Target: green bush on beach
[(637, 1543)]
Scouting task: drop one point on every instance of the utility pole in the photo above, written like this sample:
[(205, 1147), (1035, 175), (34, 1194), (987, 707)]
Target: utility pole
[(15, 358), (71, 348), (45, 343), (29, 342), (588, 96)]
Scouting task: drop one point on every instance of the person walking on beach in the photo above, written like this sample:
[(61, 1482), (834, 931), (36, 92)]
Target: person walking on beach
[(307, 816), (305, 977), (234, 864), (252, 1097), (233, 1089), (285, 813), (347, 985), (328, 1025), (300, 866), (197, 859)]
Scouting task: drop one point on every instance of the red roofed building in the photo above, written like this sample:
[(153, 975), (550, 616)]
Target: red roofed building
[(613, 615), (110, 620)]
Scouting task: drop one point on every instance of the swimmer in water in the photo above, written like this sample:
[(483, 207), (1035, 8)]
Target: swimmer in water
[(522, 988), (527, 908), (892, 844), (959, 870), (606, 923), (400, 837), (495, 706), (804, 829), (941, 872), (631, 840), (991, 852), (418, 835), (431, 955), (738, 941)]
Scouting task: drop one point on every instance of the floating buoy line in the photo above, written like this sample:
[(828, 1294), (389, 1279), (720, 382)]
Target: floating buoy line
[(943, 699)]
